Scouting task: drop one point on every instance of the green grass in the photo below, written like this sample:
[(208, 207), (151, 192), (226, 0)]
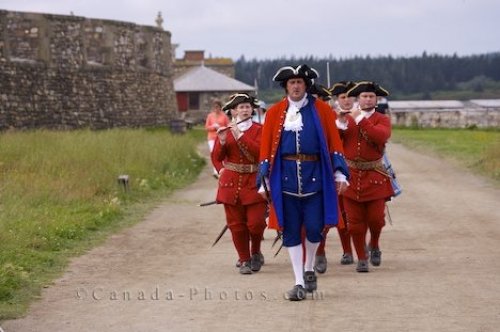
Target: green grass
[(475, 149), (59, 196)]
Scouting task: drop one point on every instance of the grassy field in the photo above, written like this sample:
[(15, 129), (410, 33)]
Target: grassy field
[(477, 150), (59, 196)]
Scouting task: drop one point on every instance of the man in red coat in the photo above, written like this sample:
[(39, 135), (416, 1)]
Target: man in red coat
[(364, 133), (235, 155), (302, 161), (343, 104)]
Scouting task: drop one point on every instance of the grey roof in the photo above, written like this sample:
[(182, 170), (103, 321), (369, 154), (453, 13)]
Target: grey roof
[(205, 79), (423, 104), (486, 102)]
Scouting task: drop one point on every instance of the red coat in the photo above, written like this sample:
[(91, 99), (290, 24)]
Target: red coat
[(234, 187), (366, 142)]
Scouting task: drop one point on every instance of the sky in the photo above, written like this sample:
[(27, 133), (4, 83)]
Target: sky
[(268, 29)]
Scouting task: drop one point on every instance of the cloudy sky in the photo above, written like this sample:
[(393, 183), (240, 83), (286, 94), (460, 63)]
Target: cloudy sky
[(267, 29)]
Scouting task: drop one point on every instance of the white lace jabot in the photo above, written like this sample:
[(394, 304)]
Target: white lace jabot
[(293, 119)]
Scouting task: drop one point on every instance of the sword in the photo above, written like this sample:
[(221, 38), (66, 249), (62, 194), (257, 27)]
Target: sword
[(208, 203), (220, 235), (278, 237), (388, 214), (266, 190), (279, 249)]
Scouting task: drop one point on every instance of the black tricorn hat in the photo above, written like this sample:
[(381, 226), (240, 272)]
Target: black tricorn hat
[(239, 98), (322, 92), (367, 86), (341, 87), (302, 71)]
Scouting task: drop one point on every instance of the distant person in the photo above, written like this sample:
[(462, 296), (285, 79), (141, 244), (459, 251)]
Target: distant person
[(260, 112), (383, 108), (342, 102), (321, 92), (345, 104), (302, 162), (215, 119), (364, 134), (235, 155)]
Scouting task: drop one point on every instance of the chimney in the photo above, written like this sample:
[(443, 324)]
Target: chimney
[(194, 55)]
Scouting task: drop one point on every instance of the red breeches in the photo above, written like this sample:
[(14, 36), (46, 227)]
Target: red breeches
[(362, 216), (246, 223)]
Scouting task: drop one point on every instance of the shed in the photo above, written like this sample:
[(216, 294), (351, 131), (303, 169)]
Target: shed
[(198, 86)]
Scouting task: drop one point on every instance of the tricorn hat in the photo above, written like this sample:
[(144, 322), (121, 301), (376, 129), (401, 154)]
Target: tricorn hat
[(302, 71), (322, 92), (239, 98), (341, 87), (367, 86)]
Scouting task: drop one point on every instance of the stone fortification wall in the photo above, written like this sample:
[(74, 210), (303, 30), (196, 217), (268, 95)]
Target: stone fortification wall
[(65, 72), (447, 118)]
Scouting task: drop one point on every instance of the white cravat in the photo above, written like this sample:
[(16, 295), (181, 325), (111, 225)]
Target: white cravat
[(364, 114), (243, 126), (293, 119)]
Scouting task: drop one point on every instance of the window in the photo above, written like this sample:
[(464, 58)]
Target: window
[(194, 100)]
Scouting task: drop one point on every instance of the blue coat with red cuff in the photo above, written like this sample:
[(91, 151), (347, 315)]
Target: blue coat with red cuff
[(328, 147)]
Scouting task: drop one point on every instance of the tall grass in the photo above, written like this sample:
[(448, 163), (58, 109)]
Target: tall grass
[(476, 149), (59, 194)]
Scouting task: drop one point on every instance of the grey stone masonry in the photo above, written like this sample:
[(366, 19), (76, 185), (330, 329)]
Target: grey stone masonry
[(67, 72)]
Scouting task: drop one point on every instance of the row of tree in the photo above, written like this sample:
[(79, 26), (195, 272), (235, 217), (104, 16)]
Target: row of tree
[(400, 75)]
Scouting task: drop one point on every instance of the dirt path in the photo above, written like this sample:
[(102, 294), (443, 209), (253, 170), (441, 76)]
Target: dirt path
[(440, 269)]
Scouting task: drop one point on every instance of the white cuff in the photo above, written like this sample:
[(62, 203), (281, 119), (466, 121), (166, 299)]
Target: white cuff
[(340, 177), (262, 189), (341, 125)]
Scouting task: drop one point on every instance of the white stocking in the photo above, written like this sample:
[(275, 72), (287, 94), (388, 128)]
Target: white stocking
[(311, 249), (296, 257)]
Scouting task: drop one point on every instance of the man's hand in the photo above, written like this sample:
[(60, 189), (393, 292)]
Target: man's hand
[(342, 116), (356, 113), (341, 187), (236, 131), (222, 134)]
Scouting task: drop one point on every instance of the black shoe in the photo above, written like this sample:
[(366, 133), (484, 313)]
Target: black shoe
[(346, 259), (320, 264), (297, 293), (261, 258), (362, 266), (256, 262), (375, 256), (310, 280), (238, 263), (245, 268)]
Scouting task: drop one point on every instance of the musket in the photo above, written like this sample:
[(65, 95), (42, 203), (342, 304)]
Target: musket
[(220, 235)]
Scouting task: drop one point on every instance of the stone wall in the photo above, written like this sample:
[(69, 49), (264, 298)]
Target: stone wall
[(447, 118), (65, 72)]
